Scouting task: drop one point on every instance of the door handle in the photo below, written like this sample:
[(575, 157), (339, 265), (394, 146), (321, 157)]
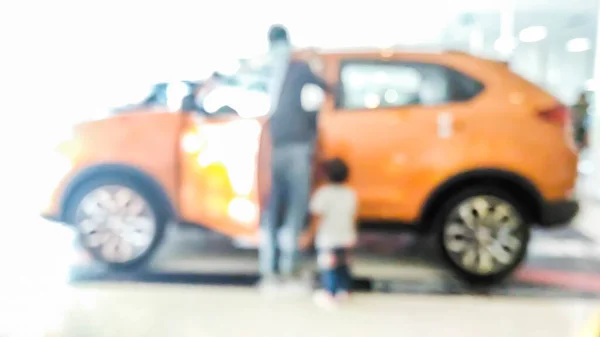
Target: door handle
[(447, 124)]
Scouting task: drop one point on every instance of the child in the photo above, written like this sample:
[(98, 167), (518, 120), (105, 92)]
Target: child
[(333, 208)]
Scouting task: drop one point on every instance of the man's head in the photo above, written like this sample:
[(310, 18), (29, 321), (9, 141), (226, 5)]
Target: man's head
[(278, 35)]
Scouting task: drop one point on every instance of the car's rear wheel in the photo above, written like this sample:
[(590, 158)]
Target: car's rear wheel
[(119, 221), (483, 234)]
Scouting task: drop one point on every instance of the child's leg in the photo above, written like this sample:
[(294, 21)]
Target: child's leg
[(344, 279), (327, 261), (327, 297), (328, 281)]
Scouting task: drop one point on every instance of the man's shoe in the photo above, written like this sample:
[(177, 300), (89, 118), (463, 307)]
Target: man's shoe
[(298, 285), (269, 285)]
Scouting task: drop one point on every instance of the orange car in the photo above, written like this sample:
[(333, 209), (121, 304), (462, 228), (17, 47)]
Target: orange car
[(446, 143)]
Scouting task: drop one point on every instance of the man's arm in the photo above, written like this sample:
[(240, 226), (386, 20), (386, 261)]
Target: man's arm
[(312, 78), (309, 236)]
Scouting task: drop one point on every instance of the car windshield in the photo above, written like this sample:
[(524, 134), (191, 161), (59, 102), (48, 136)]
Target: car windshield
[(164, 94), (245, 97), (242, 91)]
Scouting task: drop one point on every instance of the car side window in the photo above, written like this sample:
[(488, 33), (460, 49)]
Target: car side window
[(375, 84), (371, 85), (462, 87)]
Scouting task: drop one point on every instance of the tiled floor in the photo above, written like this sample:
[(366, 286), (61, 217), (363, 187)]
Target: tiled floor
[(150, 310), (588, 219), (383, 262)]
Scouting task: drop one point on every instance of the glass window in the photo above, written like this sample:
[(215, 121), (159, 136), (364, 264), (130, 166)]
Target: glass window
[(462, 87), (168, 95), (379, 85), (373, 84), (248, 100)]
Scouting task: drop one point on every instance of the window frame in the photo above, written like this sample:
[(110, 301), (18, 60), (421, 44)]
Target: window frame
[(448, 72)]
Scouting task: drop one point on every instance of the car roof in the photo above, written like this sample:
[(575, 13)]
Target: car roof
[(432, 54), (427, 53), (358, 51), (368, 49)]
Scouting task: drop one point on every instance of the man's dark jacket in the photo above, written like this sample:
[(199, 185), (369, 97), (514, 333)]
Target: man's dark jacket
[(290, 123)]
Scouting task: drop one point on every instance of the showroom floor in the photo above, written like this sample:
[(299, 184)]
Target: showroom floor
[(165, 310), (199, 285)]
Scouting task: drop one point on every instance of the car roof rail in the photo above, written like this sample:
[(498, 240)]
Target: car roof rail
[(458, 52), (367, 48), (500, 61)]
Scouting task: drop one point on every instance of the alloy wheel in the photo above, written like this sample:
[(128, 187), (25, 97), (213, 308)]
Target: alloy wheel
[(484, 235), (116, 222)]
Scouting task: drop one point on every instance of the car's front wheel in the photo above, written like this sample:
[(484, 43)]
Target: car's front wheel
[(483, 234), (119, 221)]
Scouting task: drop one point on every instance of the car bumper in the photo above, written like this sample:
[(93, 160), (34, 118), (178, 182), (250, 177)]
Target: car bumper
[(557, 213)]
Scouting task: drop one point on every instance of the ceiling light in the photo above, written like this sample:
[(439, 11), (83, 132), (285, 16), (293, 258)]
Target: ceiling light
[(533, 34), (578, 45), (505, 45)]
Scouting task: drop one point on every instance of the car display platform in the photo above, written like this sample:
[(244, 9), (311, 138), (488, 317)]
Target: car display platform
[(560, 263)]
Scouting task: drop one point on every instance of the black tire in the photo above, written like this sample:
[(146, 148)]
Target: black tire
[(523, 232), (137, 185)]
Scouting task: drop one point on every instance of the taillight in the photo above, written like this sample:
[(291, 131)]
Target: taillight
[(559, 115)]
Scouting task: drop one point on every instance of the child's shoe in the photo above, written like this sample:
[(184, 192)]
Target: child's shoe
[(325, 300), (342, 296)]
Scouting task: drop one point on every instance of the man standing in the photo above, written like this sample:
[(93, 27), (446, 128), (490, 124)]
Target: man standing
[(580, 116), (293, 131)]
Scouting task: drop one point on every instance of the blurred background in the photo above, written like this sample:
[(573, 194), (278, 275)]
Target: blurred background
[(116, 48)]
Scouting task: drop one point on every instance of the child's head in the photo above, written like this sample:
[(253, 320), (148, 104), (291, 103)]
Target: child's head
[(337, 171)]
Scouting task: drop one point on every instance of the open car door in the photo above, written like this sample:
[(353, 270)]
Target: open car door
[(219, 173), (225, 165)]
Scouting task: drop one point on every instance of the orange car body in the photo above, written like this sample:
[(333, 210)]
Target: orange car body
[(213, 171)]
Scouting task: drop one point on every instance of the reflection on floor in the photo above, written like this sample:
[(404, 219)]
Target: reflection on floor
[(152, 310), (557, 285), (382, 263)]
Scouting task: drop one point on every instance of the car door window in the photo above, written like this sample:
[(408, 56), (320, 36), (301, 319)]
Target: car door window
[(371, 85), (463, 87), (376, 84)]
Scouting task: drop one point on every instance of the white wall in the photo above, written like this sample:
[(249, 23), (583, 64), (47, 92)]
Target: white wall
[(81, 55), (87, 51)]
